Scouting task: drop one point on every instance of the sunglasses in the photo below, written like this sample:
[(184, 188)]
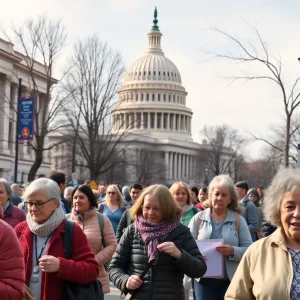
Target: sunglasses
[(111, 193)]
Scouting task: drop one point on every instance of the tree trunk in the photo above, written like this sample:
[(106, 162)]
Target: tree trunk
[(287, 142), (36, 165)]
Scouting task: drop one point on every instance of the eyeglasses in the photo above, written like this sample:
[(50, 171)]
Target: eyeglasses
[(38, 204), (147, 208), (111, 193)]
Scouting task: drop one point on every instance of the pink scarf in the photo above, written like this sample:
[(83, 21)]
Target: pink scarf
[(153, 234)]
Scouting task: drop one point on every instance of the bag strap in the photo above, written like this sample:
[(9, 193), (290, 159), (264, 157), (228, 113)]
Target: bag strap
[(67, 216), (68, 239), (147, 269), (101, 227)]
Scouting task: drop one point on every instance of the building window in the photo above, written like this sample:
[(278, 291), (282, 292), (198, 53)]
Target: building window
[(164, 73), (168, 74), (142, 97), (174, 98), (158, 73), (164, 97), (147, 97), (169, 98), (136, 97), (177, 99), (154, 73), (153, 97), (144, 73), (149, 73), (158, 97), (152, 120), (158, 120)]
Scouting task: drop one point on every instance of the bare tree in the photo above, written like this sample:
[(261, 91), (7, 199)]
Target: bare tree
[(92, 84), (259, 56), (40, 41), (224, 146)]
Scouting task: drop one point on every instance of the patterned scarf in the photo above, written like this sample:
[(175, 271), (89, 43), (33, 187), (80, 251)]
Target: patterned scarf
[(79, 216), (153, 234), (47, 227)]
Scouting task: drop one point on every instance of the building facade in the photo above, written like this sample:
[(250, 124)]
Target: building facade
[(13, 67)]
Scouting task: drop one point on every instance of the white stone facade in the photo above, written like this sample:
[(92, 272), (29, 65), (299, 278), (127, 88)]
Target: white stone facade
[(12, 67)]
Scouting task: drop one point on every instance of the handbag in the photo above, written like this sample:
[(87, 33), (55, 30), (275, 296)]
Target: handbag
[(130, 294), (74, 290)]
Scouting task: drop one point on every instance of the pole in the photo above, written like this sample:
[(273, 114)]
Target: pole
[(17, 128), (298, 160)]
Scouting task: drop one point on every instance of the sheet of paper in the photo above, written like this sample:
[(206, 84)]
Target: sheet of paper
[(214, 260)]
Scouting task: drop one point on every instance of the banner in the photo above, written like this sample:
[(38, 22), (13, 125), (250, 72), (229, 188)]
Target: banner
[(26, 119)]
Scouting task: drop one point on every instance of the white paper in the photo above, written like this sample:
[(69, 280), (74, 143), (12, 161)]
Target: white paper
[(214, 259)]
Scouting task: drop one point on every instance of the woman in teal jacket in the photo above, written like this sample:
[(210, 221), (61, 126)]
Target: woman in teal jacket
[(221, 221)]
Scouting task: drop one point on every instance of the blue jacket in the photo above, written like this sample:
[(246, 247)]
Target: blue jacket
[(240, 240), (251, 216), (66, 206)]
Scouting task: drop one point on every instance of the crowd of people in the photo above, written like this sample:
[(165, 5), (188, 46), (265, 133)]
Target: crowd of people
[(58, 239)]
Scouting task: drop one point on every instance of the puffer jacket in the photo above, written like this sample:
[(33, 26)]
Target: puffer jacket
[(12, 268), (164, 281)]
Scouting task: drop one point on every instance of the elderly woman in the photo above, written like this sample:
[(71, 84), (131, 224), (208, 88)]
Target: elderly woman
[(221, 221), (270, 267), (41, 240), (113, 206), (12, 215), (12, 270), (85, 215), (156, 240)]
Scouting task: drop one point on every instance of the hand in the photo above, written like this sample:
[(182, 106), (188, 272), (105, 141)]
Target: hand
[(134, 282), (170, 248), (225, 250), (49, 264)]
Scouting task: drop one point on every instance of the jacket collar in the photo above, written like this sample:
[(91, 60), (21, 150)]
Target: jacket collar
[(277, 238), (206, 215), (9, 210)]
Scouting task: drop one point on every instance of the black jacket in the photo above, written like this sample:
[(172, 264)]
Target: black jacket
[(164, 281), (266, 228), (123, 224)]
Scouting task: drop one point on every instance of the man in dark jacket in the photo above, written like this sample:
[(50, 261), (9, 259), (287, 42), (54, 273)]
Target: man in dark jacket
[(250, 213), (125, 221)]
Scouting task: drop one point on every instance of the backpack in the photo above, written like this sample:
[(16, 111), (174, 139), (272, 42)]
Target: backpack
[(73, 290)]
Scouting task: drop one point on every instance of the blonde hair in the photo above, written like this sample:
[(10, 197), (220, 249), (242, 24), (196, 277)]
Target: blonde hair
[(169, 208), (225, 180), (120, 199), (286, 180), (177, 185)]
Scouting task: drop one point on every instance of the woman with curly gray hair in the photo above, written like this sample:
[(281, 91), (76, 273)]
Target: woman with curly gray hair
[(270, 267)]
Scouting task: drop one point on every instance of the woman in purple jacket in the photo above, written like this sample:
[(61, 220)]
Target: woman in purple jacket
[(12, 214)]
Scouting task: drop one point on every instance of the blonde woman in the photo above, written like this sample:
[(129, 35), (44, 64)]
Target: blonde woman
[(221, 221), (113, 206), (155, 237)]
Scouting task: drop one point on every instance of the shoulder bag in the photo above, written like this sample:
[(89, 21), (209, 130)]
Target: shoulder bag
[(73, 290)]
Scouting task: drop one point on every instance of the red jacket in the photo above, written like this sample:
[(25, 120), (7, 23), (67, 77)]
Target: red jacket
[(12, 269), (83, 268)]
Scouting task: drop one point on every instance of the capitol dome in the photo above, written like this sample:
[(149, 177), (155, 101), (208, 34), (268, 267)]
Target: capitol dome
[(152, 100)]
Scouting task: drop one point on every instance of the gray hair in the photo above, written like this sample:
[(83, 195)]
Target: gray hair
[(43, 184), (6, 186), (69, 189), (286, 180), (225, 180)]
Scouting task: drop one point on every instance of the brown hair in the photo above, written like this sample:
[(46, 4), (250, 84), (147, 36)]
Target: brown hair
[(169, 208)]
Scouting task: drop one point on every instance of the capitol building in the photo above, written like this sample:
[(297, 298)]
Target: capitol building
[(151, 109)]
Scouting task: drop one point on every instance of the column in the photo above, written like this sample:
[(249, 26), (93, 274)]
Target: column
[(187, 165), (190, 166), (142, 120), (155, 120), (135, 122), (185, 124), (183, 166), (179, 166), (167, 164), (149, 120), (174, 122), (175, 166), (168, 121), (4, 114), (190, 124), (171, 165)]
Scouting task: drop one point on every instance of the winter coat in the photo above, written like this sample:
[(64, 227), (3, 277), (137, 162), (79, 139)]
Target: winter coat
[(267, 228), (265, 271), (83, 268), (90, 227), (164, 281), (14, 215), (12, 269), (124, 223)]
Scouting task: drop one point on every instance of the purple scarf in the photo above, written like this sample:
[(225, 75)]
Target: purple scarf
[(80, 217), (153, 234)]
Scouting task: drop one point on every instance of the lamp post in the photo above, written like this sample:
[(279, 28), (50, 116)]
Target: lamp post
[(206, 176)]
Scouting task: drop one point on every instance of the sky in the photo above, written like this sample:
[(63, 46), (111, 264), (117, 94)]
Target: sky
[(254, 107)]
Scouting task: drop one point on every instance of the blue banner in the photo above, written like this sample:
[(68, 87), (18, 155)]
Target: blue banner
[(26, 119)]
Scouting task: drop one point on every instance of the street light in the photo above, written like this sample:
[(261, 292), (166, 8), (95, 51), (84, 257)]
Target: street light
[(206, 176)]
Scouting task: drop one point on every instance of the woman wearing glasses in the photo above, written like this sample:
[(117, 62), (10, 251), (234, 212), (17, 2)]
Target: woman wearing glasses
[(113, 206), (158, 241), (41, 240)]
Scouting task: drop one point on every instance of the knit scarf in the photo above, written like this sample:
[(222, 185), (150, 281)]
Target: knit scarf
[(79, 216), (153, 234), (46, 228), (186, 209), (5, 206)]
